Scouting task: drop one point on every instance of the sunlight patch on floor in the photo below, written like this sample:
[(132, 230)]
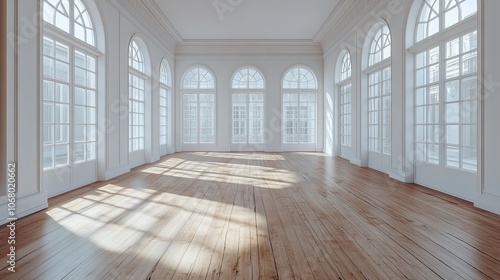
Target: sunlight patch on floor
[(229, 173)]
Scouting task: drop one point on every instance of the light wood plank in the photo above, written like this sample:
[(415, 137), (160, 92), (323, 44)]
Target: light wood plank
[(209, 215)]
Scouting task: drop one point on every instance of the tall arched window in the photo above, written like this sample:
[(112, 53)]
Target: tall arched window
[(345, 99), (445, 52), (438, 15), (198, 101), (138, 77), (69, 84), (379, 92), (446, 84), (299, 107), (165, 105), (248, 107)]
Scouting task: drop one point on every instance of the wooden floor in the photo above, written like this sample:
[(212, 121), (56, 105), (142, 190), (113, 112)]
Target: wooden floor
[(255, 216)]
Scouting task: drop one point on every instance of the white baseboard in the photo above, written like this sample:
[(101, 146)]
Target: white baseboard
[(273, 150), (110, 174), (489, 203), (25, 206), (356, 162), (396, 175)]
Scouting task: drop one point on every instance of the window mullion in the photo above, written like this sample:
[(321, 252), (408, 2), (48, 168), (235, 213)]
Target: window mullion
[(442, 107), (71, 109), (442, 15), (297, 119), (380, 120), (72, 17), (247, 95), (198, 126)]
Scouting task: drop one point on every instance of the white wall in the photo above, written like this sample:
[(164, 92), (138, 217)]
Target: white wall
[(3, 93), (120, 28), (489, 193), (273, 67), (23, 104), (23, 108), (353, 30), (23, 91)]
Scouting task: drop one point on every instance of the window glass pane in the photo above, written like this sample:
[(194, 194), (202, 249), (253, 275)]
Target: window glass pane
[(63, 68), (459, 99), (299, 78)]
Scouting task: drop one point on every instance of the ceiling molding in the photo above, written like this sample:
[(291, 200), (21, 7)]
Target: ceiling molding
[(146, 21), (296, 47), (154, 9), (352, 17), (330, 21)]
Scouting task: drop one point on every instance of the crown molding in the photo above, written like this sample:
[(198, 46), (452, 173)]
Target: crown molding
[(147, 21), (330, 21), (164, 21), (294, 47), (354, 14)]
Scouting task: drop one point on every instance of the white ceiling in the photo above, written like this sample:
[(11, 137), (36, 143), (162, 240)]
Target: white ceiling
[(247, 19)]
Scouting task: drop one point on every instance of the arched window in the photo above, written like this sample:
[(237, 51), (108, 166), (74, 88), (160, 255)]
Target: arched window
[(438, 15), (379, 92), (198, 101), (69, 85), (165, 105), (248, 106), (137, 96), (446, 84), (299, 107), (345, 99), (72, 17)]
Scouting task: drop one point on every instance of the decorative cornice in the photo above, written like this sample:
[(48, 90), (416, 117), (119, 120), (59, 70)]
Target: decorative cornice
[(147, 20), (164, 21), (330, 21), (353, 16), (294, 47)]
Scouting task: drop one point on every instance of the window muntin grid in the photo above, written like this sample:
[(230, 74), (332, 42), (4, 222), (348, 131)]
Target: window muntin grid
[(299, 107), (438, 15), (248, 107), (72, 17), (198, 98)]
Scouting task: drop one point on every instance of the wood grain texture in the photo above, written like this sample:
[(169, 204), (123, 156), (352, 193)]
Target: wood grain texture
[(255, 216)]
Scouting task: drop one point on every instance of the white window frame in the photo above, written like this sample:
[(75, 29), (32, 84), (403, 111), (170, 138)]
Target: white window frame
[(379, 72), (165, 107), (301, 83), (137, 96), (344, 86), (438, 140), (200, 89), (248, 83), (74, 44)]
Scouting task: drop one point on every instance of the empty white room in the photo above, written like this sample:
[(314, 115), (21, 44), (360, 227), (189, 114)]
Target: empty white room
[(249, 139)]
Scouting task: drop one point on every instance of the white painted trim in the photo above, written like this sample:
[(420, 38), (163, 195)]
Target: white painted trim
[(442, 190), (352, 18), (396, 175), (488, 203), (273, 150), (26, 205), (110, 174), (131, 9), (459, 29), (357, 162), (66, 38), (480, 105), (329, 23), (155, 158), (378, 66), (165, 23), (268, 47)]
